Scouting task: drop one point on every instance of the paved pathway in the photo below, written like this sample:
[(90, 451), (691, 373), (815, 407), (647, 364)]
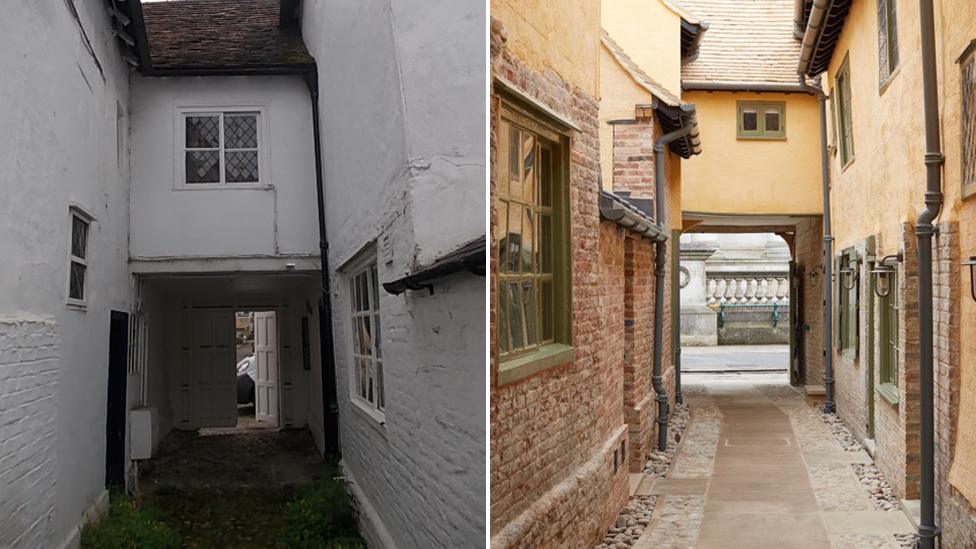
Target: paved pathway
[(735, 358), (758, 468)]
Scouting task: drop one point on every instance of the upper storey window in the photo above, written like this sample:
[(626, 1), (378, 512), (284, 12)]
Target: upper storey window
[(887, 39), (221, 148), (766, 120)]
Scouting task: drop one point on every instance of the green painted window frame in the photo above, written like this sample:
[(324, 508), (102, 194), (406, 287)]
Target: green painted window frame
[(888, 343), (845, 126), (761, 108), (849, 302), (967, 82), (887, 40), (548, 342)]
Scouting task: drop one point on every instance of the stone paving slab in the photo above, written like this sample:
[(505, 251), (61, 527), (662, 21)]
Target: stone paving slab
[(759, 468)]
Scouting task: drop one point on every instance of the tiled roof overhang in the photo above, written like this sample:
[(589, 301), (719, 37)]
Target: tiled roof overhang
[(468, 258), (672, 112), (691, 37), (232, 37), (823, 28)]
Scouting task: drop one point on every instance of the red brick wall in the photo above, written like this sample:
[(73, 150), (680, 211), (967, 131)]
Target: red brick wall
[(554, 434), (808, 245), (633, 157)]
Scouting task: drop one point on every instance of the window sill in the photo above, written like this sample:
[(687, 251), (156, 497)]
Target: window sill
[(374, 417), (968, 190), (223, 186), (549, 356), (887, 81), (76, 305), (845, 165), (761, 137), (889, 392)]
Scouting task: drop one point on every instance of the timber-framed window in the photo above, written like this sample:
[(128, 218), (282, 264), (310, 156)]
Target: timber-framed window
[(888, 343), (220, 148), (968, 96), (848, 274), (887, 40), (845, 137), (761, 120), (532, 278), (78, 256), (367, 353)]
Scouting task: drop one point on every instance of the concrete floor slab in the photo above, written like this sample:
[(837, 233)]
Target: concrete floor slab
[(679, 486), (867, 522)]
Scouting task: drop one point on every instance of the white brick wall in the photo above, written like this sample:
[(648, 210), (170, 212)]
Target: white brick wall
[(28, 410)]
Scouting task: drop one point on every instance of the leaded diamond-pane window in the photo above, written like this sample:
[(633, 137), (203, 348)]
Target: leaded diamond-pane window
[(221, 148), (968, 63)]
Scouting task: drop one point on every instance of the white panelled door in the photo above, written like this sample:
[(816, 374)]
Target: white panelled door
[(212, 376), (266, 358)]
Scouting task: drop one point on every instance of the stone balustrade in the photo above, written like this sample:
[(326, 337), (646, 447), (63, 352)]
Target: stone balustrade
[(747, 288)]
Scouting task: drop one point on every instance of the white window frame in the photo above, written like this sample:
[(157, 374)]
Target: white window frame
[(76, 211), (365, 263), (264, 160)]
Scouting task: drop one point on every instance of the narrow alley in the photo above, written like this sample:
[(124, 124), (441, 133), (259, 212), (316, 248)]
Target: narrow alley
[(759, 466)]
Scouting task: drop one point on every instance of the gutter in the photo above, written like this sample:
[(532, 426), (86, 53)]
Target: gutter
[(330, 406), (743, 87), (924, 230), (828, 249), (613, 208), (813, 33), (468, 258), (660, 251)]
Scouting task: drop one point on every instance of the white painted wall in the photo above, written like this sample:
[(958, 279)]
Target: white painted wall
[(58, 146), (277, 220), (403, 110)]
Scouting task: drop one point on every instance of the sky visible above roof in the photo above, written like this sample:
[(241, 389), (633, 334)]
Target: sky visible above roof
[(747, 42)]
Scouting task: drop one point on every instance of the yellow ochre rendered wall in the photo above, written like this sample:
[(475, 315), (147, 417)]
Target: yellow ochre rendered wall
[(956, 24), (750, 176), (650, 33), (558, 35), (619, 95)]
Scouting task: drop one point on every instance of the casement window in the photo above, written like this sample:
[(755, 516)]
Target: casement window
[(532, 280), (761, 120), (968, 79), (78, 256), (367, 353), (887, 39), (848, 310), (845, 137), (221, 148), (888, 344)]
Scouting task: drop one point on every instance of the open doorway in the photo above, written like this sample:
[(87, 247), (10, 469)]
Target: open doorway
[(257, 351), (736, 295)]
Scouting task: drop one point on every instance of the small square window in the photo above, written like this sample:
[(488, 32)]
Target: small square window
[(761, 120), (221, 148)]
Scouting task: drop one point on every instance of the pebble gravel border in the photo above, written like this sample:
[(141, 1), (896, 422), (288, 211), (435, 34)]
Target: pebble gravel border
[(874, 482), (636, 514)]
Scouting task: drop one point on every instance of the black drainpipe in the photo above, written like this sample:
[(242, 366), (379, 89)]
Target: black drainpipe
[(927, 529), (330, 407), (828, 251), (660, 251)]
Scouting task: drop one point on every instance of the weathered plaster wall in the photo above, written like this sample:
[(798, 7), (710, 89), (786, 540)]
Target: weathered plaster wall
[(650, 32), (58, 147), (774, 176), (170, 221), (555, 35), (392, 156)]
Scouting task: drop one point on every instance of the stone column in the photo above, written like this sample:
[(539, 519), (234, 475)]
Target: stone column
[(699, 323)]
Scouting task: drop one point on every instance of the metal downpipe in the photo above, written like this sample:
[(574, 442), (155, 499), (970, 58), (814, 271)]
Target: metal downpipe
[(660, 251), (330, 405), (924, 230), (828, 251)]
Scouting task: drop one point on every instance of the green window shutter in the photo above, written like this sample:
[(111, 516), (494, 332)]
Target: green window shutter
[(838, 312), (855, 313)]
